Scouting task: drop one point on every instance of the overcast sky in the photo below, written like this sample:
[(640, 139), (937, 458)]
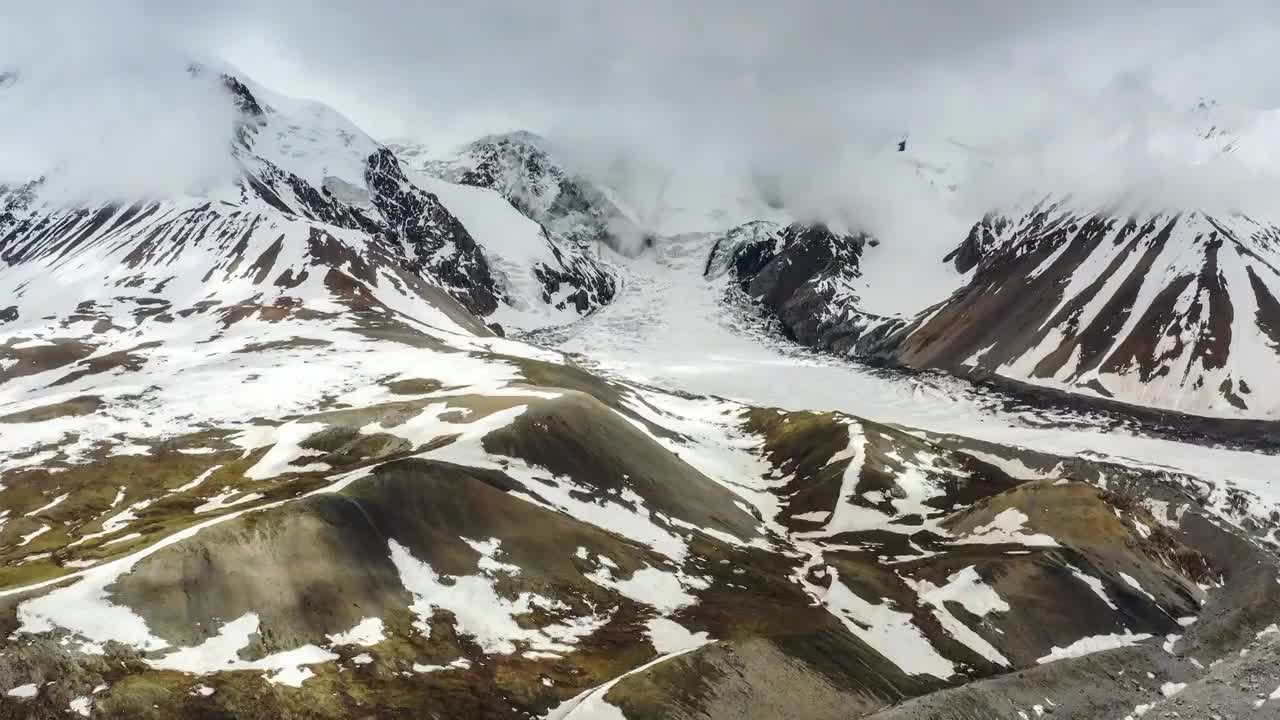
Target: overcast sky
[(797, 87)]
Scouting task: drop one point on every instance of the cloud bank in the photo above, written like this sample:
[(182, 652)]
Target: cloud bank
[(108, 110), (806, 98)]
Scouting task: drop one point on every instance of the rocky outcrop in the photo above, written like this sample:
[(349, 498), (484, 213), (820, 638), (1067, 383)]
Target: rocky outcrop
[(804, 277), (552, 253), (575, 279), (440, 244), (521, 167)]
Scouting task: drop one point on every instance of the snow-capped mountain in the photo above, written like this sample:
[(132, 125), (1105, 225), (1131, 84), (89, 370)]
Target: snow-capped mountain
[(1168, 310), (1173, 311), (263, 454), (317, 164), (525, 169)]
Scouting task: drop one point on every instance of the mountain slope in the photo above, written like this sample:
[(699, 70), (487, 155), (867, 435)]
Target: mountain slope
[(1172, 312), (538, 270), (262, 457), (523, 168), (1168, 311)]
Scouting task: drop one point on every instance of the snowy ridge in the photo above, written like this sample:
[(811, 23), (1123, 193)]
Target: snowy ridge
[(302, 158), (523, 168), (543, 280), (1172, 311)]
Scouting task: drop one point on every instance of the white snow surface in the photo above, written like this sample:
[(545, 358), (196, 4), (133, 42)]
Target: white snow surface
[(221, 653), (1007, 527), (366, 633), (670, 637), (1093, 644), (513, 245), (23, 692)]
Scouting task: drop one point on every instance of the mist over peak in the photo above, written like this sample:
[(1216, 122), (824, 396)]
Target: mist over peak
[(743, 107)]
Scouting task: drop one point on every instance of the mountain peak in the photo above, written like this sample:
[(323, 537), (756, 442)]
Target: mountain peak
[(524, 168)]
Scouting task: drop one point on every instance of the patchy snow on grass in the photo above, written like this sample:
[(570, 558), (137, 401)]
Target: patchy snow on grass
[(48, 506), (489, 562), (481, 612), (221, 653), (117, 522), (224, 500), (197, 481), (459, 664), (26, 539), (591, 705), (711, 439), (84, 607), (122, 539), (81, 705), (1013, 467), (285, 450), (1007, 528), (625, 515), (1133, 582), (1095, 585), (663, 591)]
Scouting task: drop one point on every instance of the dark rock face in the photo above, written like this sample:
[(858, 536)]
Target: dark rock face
[(403, 219), (743, 251), (291, 194), (984, 236), (441, 245), (803, 276), (519, 168), (575, 216), (577, 281), (244, 99)]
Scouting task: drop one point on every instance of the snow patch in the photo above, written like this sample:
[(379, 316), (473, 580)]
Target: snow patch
[(670, 637), (1092, 644), (367, 633)]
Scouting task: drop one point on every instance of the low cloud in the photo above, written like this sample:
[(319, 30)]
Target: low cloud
[(112, 114), (798, 102)]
